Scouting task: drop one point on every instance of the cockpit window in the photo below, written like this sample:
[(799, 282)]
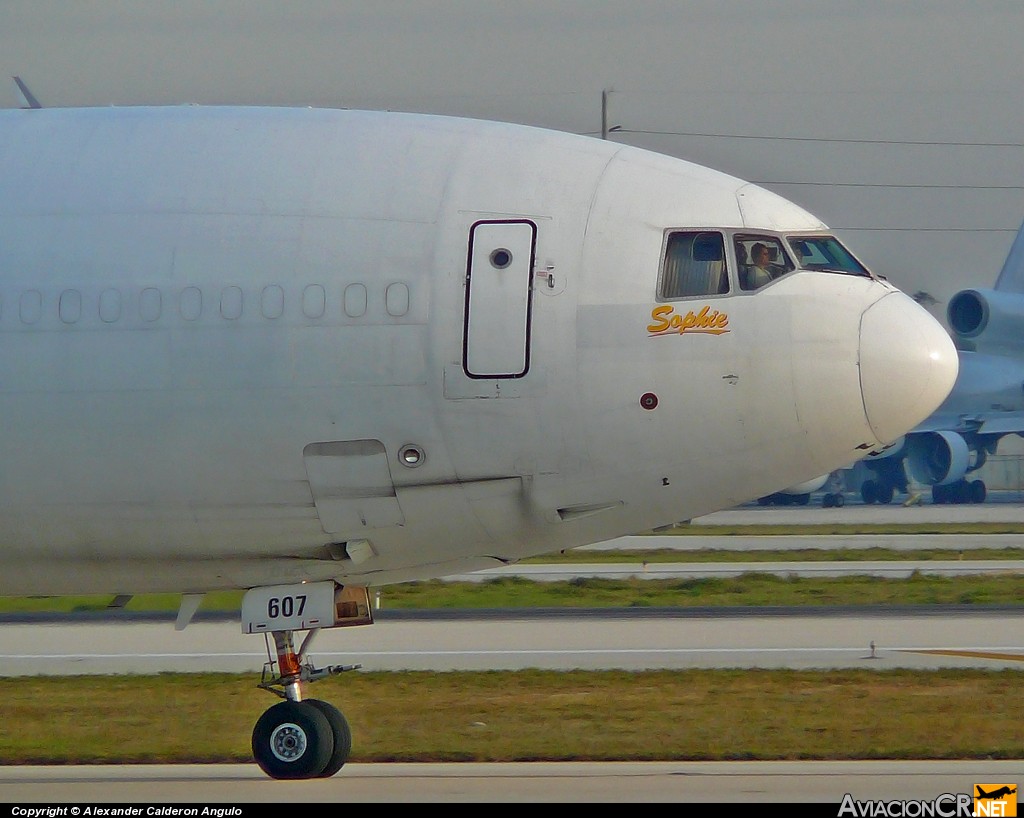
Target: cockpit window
[(760, 259), (825, 253), (694, 265)]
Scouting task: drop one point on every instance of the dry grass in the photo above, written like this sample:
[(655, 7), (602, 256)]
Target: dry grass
[(532, 715)]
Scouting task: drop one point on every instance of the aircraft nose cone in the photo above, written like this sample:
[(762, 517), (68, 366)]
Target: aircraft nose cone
[(908, 365)]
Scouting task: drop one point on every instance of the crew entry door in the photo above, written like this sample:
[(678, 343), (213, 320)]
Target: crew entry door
[(496, 340)]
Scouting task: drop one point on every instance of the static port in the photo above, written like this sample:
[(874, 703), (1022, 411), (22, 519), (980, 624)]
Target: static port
[(411, 456)]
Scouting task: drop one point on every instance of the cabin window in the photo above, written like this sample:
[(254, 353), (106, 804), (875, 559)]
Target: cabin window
[(694, 265), (110, 306), (314, 301), (354, 300), (69, 306), (396, 297), (760, 259)]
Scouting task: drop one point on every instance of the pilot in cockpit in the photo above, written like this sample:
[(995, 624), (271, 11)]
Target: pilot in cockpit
[(759, 273)]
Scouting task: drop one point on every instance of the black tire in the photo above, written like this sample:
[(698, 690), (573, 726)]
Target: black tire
[(869, 492), (965, 495), (342, 736), (839, 500), (292, 740), (885, 493), (828, 501), (978, 491)]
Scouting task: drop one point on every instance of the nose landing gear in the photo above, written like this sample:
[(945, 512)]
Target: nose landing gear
[(300, 737)]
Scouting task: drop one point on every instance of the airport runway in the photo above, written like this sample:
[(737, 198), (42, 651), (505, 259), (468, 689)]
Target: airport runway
[(755, 783), (707, 539), (1000, 507), (632, 639), (704, 532), (893, 569)]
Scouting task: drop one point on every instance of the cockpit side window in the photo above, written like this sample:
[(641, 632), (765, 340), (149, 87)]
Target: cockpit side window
[(825, 253), (760, 259), (693, 265)]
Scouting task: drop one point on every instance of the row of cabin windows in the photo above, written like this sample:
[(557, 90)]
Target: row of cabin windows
[(152, 303), (695, 263)]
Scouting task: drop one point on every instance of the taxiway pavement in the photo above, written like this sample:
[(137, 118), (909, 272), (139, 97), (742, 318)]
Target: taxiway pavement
[(755, 783)]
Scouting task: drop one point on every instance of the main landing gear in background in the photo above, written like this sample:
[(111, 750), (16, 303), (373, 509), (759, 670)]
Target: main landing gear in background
[(962, 491), (301, 737), (877, 491)]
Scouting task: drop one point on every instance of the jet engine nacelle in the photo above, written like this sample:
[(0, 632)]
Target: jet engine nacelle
[(938, 458), (807, 486), (798, 493), (987, 318)]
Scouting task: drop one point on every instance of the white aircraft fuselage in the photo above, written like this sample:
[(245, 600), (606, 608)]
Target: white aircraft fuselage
[(242, 347)]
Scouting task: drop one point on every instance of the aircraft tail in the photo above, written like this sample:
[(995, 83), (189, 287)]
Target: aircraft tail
[(24, 95), (1011, 277)]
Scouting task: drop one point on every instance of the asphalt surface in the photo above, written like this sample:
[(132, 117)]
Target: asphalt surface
[(739, 782)]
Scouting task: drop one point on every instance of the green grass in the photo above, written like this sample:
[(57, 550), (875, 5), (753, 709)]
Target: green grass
[(532, 716), (751, 588), (584, 592), (745, 590)]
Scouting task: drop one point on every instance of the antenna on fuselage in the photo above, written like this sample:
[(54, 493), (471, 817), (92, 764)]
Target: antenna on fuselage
[(28, 100), (605, 130)]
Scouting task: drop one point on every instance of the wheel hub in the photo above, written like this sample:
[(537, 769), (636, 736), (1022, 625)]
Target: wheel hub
[(288, 742)]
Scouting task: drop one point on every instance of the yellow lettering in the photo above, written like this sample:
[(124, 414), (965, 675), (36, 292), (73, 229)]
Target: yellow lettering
[(666, 320), (658, 314)]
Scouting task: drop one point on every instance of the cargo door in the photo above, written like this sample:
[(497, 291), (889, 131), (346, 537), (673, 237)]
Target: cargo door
[(496, 339)]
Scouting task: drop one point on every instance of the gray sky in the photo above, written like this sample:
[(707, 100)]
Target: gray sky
[(898, 122)]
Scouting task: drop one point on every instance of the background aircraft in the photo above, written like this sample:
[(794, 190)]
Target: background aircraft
[(985, 405), (796, 495)]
